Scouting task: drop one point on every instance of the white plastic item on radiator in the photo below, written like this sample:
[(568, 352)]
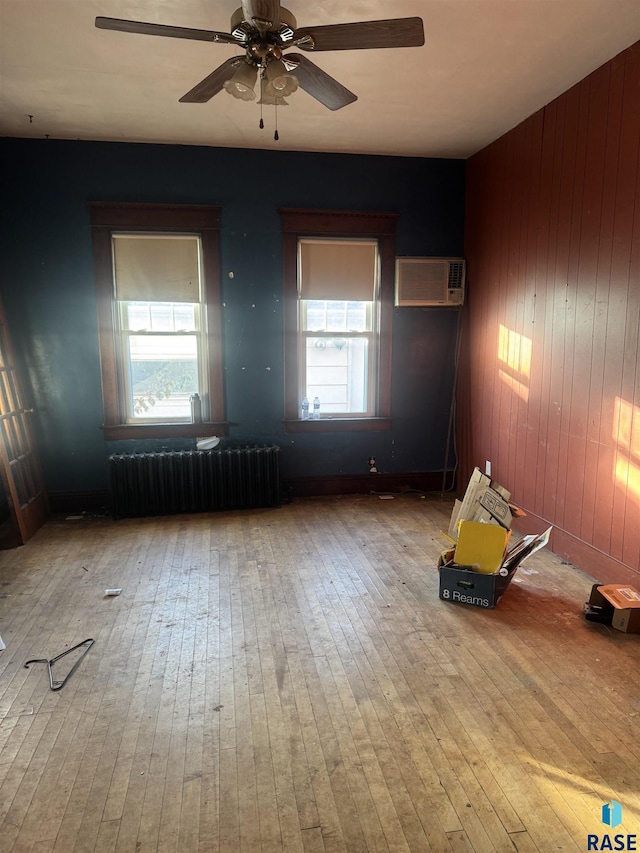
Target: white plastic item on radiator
[(208, 443)]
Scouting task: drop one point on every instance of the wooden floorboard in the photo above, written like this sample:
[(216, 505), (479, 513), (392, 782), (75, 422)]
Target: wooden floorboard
[(288, 681)]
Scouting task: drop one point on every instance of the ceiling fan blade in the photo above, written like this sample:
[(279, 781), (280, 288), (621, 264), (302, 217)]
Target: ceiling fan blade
[(396, 32), (318, 83), (163, 30), (212, 84), (264, 14)]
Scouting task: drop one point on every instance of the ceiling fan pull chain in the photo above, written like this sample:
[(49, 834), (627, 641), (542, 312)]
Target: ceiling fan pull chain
[(261, 123), (275, 135)]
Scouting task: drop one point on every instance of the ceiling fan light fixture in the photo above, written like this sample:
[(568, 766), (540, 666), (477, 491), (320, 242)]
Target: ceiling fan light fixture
[(271, 98), (242, 83), (279, 79)]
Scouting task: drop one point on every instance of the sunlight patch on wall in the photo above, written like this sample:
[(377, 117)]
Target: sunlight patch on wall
[(627, 475), (626, 426), (518, 388), (626, 435), (515, 352)]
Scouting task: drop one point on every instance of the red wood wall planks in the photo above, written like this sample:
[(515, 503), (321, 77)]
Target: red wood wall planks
[(549, 386)]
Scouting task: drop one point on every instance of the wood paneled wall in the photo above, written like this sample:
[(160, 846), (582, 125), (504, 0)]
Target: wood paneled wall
[(549, 386)]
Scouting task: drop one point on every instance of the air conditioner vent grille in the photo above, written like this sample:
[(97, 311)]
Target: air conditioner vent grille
[(456, 274)]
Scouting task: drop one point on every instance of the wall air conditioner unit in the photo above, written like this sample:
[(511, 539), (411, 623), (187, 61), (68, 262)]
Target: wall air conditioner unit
[(430, 281)]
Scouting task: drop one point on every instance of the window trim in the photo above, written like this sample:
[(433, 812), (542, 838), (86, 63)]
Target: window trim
[(298, 223), (202, 220)]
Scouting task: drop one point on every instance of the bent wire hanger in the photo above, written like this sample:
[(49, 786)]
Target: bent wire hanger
[(58, 685)]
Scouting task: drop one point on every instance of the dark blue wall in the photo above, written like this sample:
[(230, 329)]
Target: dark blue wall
[(48, 290)]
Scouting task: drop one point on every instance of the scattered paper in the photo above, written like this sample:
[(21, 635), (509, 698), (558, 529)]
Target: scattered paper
[(112, 591)]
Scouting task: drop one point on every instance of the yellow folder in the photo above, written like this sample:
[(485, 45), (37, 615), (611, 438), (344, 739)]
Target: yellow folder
[(481, 546)]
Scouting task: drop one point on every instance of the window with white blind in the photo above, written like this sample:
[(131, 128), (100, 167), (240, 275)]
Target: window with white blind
[(338, 324), (157, 283), (338, 282), (160, 304)]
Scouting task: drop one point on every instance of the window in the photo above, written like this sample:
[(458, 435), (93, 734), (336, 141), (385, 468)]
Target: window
[(338, 279), (338, 289), (157, 282)]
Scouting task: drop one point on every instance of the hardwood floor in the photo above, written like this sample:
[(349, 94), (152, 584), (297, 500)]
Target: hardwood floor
[(288, 680)]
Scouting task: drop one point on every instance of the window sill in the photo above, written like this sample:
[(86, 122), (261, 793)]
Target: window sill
[(119, 432), (328, 424)]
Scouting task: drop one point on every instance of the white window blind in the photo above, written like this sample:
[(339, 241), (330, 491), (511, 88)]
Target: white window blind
[(337, 270), (163, 268)]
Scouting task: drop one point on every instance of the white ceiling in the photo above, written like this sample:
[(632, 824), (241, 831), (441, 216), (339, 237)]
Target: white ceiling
[(486, 66)]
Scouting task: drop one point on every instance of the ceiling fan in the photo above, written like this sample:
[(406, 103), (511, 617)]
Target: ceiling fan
[(265, 30)]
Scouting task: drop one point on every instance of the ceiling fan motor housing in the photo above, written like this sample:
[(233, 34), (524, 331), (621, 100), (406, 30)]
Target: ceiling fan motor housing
[(265, 42), (245, 23)]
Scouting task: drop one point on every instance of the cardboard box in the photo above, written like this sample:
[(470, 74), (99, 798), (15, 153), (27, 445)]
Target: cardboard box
[(462, 585), (619, 604), (480, 567), (484, 501)]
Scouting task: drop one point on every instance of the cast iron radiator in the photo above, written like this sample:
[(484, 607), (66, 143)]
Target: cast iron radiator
[(186, 481)]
